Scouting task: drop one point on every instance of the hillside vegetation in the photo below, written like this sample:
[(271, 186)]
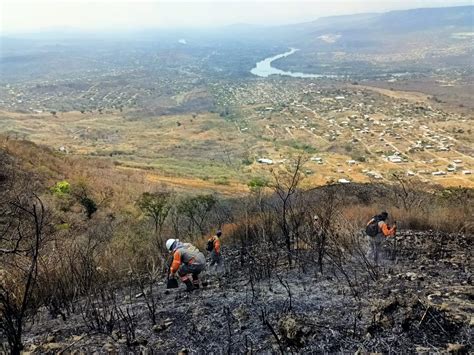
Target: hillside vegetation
[(82, 256)]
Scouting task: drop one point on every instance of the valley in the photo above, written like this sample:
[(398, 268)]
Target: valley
[(356, 133)]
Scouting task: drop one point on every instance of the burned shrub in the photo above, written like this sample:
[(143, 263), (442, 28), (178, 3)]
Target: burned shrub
[(294, 330)]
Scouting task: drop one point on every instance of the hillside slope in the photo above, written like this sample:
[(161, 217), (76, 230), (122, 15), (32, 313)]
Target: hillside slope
[(290, 281), (421, 302)]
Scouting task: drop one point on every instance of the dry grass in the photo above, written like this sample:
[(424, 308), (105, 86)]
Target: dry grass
[(437, 218), (200, 151), (412, 96)]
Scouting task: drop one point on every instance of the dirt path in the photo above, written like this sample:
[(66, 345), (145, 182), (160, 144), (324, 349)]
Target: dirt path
[(272, 132), (412, 96), (194, 184), (309, 131)]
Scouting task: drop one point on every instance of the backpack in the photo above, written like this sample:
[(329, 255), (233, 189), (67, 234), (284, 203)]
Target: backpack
[(372, 228), (210, 245)]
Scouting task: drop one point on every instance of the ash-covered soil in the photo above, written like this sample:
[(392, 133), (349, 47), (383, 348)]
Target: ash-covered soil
[(422, 301)]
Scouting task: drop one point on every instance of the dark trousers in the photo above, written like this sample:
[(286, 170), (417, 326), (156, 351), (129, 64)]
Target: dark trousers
[(194, 269), (215, 258), (376, 249)]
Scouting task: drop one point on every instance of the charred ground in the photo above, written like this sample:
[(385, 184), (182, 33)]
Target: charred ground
[(421, 301)]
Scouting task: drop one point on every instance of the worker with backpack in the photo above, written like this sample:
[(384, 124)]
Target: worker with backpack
[(188, 262), (214, 246), (377, 230)]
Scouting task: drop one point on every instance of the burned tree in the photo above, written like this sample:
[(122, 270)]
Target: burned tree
[(326, 210), (286, 186), (24, 227), (408, 193)]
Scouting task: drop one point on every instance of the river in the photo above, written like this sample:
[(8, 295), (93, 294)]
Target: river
[(264, 68)]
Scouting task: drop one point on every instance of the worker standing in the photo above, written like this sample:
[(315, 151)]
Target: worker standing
[(377, 230), (214, 246)]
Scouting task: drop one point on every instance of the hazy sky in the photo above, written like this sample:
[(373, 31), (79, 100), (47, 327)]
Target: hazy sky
[(22, 15)]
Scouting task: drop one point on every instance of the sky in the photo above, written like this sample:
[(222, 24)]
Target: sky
[(18, 16)]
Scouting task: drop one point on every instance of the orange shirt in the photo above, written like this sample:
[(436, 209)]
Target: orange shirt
[(176, 261), (388, 232), (216, 243)]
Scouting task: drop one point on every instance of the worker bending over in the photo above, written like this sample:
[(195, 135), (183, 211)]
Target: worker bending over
[(188, 262)]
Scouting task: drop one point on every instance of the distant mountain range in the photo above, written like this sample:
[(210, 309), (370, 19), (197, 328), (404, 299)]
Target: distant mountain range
[(404, 20), (401, 20), (413, 40), (420, 38), (389, 23)]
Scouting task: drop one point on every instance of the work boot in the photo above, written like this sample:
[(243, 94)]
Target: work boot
[(189, 285)]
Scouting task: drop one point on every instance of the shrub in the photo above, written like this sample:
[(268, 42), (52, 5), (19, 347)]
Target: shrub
[(247, 161), (257, 183), (61, 188), (308, 148)]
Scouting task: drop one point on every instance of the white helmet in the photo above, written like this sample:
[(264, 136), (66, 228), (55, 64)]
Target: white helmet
[(170, 243)]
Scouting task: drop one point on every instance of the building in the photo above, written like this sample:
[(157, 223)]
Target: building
[(343, 181)]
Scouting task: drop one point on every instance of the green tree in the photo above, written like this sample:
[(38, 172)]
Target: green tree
[(82, 194), (89, 205), (197, 209), (155, 205)]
